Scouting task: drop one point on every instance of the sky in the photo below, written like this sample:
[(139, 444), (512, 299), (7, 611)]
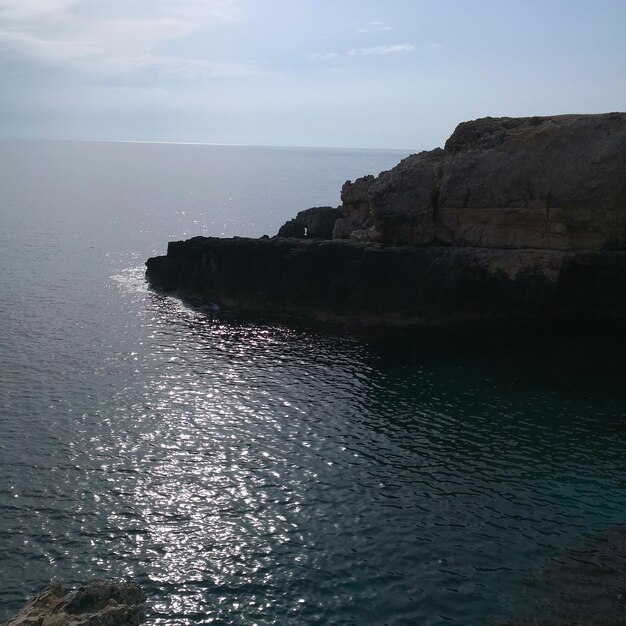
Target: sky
[(327, 73)]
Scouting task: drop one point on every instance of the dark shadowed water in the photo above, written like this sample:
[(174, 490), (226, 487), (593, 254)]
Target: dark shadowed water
[(251, 473)]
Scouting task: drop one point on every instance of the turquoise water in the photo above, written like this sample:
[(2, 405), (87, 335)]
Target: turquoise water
[(249, 472)]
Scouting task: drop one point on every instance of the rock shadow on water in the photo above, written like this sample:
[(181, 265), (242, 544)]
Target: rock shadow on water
[(584, 585)]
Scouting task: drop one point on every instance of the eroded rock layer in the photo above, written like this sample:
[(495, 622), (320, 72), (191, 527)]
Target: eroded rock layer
[(374, 284)]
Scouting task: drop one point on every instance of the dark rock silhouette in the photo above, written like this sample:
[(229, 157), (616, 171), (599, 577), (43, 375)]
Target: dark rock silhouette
[(515, 218), (315, 223)]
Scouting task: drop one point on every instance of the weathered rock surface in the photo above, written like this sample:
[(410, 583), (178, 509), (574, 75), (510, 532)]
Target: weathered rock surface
[(514, 219), (374, 284), (403, 200), (356, 217), (555, 183), (98, 603), (573, 163)]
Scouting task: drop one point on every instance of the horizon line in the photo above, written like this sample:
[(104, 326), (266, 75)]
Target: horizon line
[(210, 143)]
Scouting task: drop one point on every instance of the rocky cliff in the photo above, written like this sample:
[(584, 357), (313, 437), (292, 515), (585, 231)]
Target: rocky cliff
[(550, 183), (515, 218)]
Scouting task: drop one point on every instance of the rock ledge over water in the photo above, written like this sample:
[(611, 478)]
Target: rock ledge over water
[(514, 219), (98, 603)]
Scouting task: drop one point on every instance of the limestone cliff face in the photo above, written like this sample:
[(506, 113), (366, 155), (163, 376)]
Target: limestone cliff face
[(513, 219), (356, 216), (555, 183)]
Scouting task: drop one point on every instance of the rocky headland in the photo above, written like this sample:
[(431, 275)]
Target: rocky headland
[(514, 219), (98, 603)]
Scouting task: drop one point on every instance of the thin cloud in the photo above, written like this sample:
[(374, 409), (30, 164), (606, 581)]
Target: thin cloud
[(382, 50), (375, 27), (47, 50), (372, 51), (29, 9), (323, 56), (115, 38)]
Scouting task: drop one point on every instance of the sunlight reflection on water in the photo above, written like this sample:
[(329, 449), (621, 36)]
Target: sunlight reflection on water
[(255, 473), (265, 466), (231, 461)]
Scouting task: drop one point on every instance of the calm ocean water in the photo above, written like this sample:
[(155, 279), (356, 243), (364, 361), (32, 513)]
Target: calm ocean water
[(248, 472)]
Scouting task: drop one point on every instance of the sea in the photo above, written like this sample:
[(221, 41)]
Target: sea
[(253, 472)]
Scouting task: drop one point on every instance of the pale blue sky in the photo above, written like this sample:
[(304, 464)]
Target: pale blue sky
[(345, 73)]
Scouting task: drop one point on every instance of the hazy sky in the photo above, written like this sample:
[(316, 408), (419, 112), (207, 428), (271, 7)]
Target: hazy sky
[(350, 73)]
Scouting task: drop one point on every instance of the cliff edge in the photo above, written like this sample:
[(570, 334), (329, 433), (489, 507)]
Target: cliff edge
[(515, 218), (550, 183)]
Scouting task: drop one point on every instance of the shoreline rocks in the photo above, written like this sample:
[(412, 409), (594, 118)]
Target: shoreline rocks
[(514, 219), (98, 603), (375, 285)]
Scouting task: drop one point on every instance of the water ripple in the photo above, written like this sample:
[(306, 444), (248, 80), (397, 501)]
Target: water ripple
[(253, 473)]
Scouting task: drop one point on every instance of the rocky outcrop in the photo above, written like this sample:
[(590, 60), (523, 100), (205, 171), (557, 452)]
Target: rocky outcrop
[(356, 217), (515, 218), (315, 223), (372, 284), (554, 183), (566, 172), (403, 201), (98, 603)]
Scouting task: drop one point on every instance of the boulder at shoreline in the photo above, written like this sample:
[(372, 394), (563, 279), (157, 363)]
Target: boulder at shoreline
[(98, 603)]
